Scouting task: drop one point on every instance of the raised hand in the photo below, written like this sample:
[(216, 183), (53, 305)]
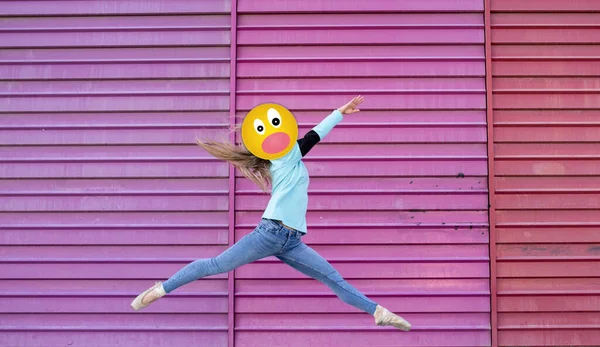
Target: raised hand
[(351, 107)]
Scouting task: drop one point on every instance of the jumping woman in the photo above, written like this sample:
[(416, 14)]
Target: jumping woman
[(272, 156)]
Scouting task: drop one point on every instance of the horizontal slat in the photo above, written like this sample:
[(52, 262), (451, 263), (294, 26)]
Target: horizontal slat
[(387, 167), (364, 338), (377, 218), (178, 304), (356, 35), (110, 38), (114, 23), (563, 337), (169, 169), (584, 167), (550, 6), (113, 7), (382, 185), (550, 235), (164, 102), (541, 286), (108, 55), (335, 69), (441, 235), (94, 321), (108, 136), (415, 100), (173, 202), (557, 303), (99, 88), (87, 71), (543, 269), (554, 251), (95, 271), (507, 52), (110, 187), (566, 200), (562, 67), (104, 153), (114, 235), (545, 100), (307, 286), (109, 253), (575, 184), (425, 321), (546, 150), (533, 35), (547, 320), (361, 6), (546, 117), (548, 217), (108, 120), (379, 19), (400, 85), (446, 269), (334, 305), (372, 202), (532, 18), (113, 219), (113, 338), (547, 84), (393, 52), (103, 287)]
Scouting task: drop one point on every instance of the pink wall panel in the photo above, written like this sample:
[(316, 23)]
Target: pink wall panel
[(398, 194), (103, 190), (547, 171)]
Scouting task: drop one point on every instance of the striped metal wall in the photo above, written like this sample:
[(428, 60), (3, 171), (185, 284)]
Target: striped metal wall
[(546, 110), (398, 194), (103, 190)]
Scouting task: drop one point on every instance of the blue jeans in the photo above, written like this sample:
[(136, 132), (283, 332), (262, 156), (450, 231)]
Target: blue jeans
[(271, 238)]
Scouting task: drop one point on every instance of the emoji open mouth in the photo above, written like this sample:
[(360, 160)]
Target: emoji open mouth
[(276, 143)]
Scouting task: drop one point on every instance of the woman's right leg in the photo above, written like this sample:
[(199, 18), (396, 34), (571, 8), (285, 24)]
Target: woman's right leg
[(251, 247)]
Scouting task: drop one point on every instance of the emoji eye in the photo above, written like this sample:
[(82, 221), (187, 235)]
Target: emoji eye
[(274, 117), (259, 126)]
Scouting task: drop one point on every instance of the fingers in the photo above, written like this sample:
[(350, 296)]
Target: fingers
[(357, 100)]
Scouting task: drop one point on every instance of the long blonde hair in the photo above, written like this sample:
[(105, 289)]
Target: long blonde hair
[(251, 166)]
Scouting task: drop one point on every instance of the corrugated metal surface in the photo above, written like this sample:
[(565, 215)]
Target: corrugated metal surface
[(389, 205), (546, 131), (103, 190)]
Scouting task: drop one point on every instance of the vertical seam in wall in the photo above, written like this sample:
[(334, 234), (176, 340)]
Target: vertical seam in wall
[(491, 178), (232, 111)]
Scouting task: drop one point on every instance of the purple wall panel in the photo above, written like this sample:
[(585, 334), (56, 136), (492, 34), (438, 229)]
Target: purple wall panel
[(388, 207), (103, 190)]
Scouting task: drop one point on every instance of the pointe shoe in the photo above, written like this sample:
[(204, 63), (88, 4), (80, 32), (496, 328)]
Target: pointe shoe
[(384, 317), (148, 296)]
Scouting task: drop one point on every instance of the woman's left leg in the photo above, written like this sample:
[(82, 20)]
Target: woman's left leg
[(309, 262), (312, 264)]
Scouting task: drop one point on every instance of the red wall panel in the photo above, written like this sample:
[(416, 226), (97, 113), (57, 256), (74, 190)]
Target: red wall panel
[(547, 171)]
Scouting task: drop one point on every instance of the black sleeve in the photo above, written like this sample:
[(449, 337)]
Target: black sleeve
[(308, 141)]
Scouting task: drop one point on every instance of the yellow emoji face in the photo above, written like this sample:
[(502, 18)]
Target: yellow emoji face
[(269, 131)]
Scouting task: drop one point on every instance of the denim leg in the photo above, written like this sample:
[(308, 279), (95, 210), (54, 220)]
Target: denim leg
[(251, 247), (312, 264)]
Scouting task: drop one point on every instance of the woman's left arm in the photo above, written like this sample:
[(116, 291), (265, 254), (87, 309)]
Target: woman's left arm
[(319, 132)]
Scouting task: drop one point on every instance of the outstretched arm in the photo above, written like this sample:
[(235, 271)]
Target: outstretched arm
[(326, 125)]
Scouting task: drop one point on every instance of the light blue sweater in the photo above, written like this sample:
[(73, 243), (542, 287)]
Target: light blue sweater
[(289, 194)]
